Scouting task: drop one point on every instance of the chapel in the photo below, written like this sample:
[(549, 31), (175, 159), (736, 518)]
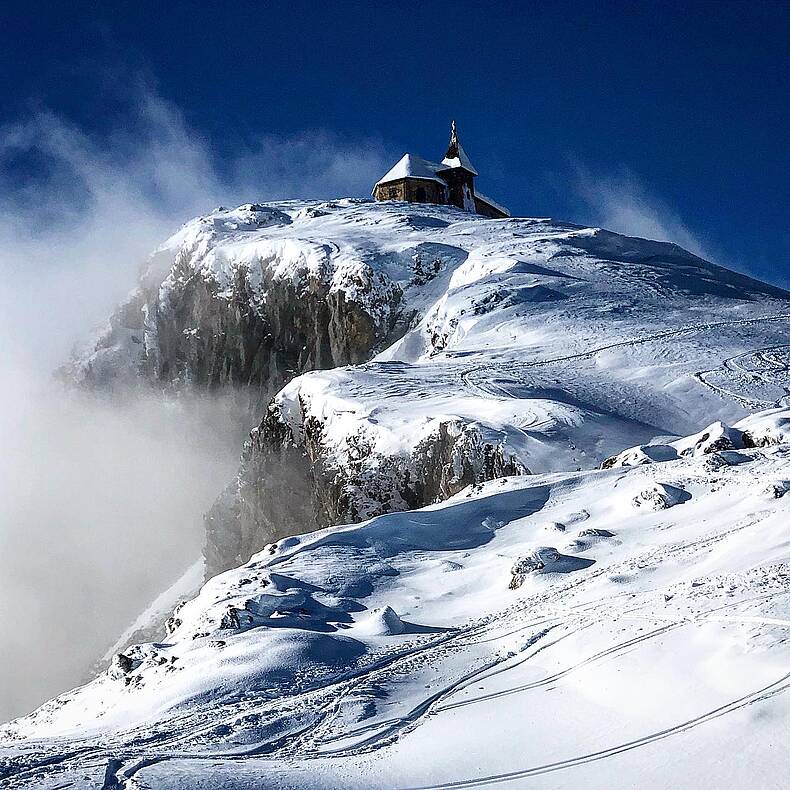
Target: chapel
[(450, 182)]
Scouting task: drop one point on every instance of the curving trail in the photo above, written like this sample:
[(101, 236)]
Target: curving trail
[(481, 379), (769, 371), (771, 689)]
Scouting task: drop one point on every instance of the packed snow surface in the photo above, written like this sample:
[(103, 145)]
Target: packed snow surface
[(643, 646), (576, 628)]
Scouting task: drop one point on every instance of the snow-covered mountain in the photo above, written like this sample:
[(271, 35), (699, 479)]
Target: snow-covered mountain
[(475, 373), (495, 347)]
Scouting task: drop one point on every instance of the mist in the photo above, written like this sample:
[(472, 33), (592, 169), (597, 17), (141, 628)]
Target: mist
[(622, 203), (102, 494)]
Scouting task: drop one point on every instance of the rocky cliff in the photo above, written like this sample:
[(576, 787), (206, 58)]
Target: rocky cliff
[(455, 349), (292, 479), (210, 312)]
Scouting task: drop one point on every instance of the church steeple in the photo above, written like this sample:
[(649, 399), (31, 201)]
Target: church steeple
[(456, 156)]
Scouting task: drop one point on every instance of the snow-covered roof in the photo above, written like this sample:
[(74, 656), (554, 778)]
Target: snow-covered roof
[(411, 166), (493, 203), (459, 160)]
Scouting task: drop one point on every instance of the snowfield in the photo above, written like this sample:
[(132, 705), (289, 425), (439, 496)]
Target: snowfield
[(562, 344), (618, 618), (648, 647)]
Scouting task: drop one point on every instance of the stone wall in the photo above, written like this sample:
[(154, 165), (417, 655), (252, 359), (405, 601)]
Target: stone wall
[(413, 190)]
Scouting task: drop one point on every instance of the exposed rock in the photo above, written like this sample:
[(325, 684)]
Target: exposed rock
[(778, 489), (291, 482), (660, 496), (545, 559), (536, 561), (592, 532), (253, 322)]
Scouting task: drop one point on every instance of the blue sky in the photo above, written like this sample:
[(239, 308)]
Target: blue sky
[(664, 119)]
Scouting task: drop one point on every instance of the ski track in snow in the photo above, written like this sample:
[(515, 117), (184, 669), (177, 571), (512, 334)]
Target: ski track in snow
[(124, 764), (480, 379), (734, 366)]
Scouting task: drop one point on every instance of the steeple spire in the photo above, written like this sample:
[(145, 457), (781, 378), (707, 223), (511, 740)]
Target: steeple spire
[(456, 156)]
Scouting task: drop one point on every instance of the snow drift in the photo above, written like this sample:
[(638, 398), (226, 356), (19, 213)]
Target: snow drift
[(420, 546)]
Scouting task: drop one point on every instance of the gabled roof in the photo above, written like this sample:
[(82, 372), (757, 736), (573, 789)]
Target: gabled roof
[(485, 199), (411, 166)]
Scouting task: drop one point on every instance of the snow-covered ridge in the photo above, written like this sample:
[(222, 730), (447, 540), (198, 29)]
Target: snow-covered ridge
[(521, 627), (564, 627), (548, 345), (543, 345)]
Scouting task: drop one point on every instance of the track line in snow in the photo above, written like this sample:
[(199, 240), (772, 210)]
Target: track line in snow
[(614, 649), (733, 364), (469, 375), (778, 686)]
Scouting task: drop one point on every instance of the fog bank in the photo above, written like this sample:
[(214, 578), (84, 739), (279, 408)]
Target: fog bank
[(102, 496)]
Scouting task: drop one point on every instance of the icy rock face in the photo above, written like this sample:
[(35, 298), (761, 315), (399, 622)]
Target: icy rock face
[(220, 304), (295, 478)]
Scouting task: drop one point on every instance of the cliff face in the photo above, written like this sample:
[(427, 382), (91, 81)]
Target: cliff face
[(246, 318), (252, 298), (293, 479), (399, 353)]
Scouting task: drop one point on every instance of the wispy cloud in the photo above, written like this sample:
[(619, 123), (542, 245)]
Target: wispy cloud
[(622, 203), (72, 237), (101, 500)]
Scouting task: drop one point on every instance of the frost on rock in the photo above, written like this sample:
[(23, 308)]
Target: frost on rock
[(660, 496)]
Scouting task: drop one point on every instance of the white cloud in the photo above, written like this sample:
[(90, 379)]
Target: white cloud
[(100, 499), (623, 204), (71, 242)]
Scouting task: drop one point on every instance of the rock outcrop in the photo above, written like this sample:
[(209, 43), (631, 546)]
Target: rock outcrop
[(294, 479), (250, 316)]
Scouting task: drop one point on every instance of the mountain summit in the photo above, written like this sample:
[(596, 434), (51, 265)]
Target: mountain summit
[(513, 507)]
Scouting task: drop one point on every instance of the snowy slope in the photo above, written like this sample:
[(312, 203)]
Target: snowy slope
[(564, 343), (576, 324), (647, 647), (578, 627), (541, 345)]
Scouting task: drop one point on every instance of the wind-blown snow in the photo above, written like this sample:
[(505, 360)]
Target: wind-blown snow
[(647, 641)]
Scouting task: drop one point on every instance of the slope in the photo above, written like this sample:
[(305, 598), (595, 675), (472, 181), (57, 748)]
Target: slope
[(564, 629)]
